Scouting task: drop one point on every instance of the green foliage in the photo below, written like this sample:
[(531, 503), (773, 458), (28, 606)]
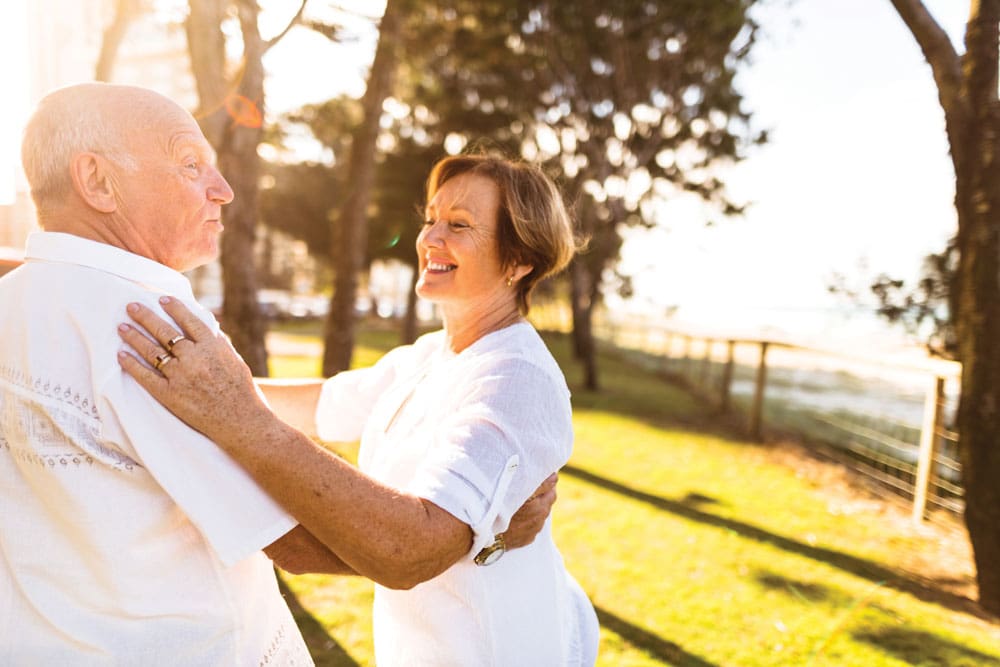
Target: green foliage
[(299, 203), (604, 94), (924, 309), (638, 92), (304, 199)]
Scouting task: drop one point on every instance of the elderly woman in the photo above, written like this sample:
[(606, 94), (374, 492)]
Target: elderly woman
[(456, 430)]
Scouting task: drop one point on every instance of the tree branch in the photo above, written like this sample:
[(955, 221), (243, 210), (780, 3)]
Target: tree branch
[(937, 49), (126, 12), (295, 19)]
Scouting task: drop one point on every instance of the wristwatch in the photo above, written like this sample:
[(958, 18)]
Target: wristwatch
[(491, 554)]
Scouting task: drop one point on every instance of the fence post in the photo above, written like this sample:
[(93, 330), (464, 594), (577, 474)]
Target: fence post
[(706, 362), (686, 363), (727, 377), (933, 405), (668, 348), (757, 409)]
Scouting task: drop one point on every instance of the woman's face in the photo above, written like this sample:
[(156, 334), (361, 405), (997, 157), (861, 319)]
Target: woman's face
[(457, 247)]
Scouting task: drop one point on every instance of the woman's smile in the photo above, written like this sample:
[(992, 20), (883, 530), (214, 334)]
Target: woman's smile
[(440, 267)]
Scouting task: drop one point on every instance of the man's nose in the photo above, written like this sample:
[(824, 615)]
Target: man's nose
[(219, 191)]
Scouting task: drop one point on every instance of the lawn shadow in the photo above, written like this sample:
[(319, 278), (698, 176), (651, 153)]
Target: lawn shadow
[(645, 640), (325, 650), (807, 592), (918, 647), (866, 569)]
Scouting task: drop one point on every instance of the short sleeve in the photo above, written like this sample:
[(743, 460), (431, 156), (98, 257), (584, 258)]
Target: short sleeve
[(510, 427), (227, 506)]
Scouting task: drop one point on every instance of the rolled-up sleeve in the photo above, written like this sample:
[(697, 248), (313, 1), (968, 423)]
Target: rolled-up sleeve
[(510, 427)]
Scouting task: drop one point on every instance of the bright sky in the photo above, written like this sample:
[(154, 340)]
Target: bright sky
[(857, 172)]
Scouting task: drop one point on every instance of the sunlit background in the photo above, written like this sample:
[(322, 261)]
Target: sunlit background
[(856, 174), (13, 57)]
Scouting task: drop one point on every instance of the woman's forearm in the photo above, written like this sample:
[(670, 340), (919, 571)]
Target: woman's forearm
[(395, 539)]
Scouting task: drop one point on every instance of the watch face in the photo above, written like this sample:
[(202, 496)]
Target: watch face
[(491, 556)]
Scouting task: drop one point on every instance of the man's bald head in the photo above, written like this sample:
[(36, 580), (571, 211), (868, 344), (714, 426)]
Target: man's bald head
[(90, 117)]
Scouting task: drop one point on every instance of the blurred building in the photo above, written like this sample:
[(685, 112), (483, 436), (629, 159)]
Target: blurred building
[(58, 45), (54, 45)]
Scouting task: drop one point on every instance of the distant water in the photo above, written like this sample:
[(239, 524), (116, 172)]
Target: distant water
[(862, 364)]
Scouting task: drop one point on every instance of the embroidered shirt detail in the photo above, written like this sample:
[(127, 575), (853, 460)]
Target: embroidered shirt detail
[(46, 388), (284, 653), (49, 425)]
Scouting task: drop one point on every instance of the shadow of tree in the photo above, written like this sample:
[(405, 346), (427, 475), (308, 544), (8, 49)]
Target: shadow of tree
[(808, 592), (325, 650), (916, 647), (655, 645), (866, 569)]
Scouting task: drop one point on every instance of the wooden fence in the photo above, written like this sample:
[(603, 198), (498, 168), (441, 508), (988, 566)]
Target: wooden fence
[(916, 461)]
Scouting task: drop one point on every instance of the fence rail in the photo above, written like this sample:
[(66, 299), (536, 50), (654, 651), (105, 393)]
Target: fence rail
[(913, 456)]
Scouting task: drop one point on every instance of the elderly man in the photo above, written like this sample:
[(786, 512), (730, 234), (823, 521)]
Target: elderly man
[(122, 541)]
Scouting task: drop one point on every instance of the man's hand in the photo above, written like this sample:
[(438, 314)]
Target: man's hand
[(528, 520)]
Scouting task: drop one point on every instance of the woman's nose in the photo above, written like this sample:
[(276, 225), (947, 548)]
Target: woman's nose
[(430, 235)]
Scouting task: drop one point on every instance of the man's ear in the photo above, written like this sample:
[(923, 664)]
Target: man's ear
[(92, 181)]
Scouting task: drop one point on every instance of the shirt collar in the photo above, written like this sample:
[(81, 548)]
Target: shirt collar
[(70, 249)]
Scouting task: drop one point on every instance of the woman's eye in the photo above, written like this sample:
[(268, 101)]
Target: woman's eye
[(452, 224)]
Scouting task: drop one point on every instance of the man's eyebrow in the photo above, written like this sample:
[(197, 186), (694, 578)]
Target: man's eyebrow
[(183, 140)]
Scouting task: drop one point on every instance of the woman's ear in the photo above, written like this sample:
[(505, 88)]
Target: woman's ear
[(92, 181), (520, 271)]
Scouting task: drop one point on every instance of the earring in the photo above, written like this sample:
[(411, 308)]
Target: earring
[(510, 280)]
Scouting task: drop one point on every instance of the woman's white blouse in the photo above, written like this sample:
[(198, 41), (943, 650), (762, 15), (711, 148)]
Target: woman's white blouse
[(475, 433)]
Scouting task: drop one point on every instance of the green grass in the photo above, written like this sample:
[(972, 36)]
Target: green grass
[(698, 548)]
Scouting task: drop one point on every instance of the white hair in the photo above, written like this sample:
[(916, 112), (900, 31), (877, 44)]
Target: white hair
[(67, 122)]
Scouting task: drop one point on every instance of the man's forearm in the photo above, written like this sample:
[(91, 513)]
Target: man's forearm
[(299, 552)]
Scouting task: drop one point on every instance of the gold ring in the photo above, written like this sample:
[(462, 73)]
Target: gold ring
[(173, 341), (162, 360)]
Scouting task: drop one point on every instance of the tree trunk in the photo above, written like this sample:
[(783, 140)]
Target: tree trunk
[(233, 126), (408, 333), (967, 90), (978, 317), (582, 292), (126, 11), (207, 51), (352, 224)]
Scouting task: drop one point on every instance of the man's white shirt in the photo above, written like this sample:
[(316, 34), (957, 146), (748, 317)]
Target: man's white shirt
[(126, 538)]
